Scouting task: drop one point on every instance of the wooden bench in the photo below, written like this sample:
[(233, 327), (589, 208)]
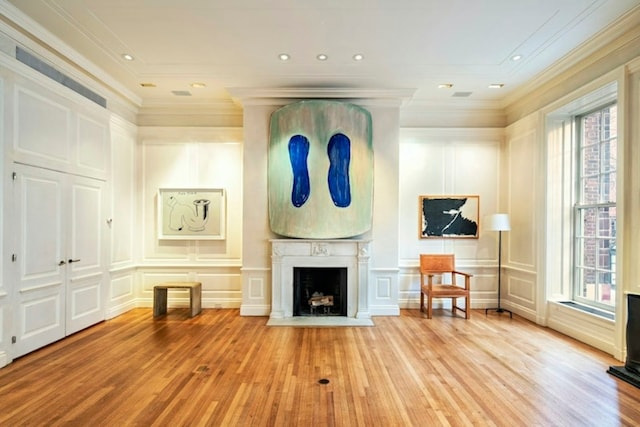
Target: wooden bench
[(160, 297)]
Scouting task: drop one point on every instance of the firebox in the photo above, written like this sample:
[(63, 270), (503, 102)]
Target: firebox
[(320, 291)]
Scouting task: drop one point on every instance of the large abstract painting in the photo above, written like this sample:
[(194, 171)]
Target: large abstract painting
[(320, 170), (449, 216)]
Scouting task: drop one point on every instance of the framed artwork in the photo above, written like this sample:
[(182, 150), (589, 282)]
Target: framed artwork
[(191, 213), (450, 217)]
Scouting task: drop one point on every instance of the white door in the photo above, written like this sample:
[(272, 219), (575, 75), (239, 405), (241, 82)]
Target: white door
[(59, 247), (39, 304), (85, 300)]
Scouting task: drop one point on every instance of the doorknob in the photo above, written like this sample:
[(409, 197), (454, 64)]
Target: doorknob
[(62, 262), (73, 260)]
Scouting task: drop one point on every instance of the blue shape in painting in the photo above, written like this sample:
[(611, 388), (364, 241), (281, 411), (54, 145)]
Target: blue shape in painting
[(298, 153), (339, 151)]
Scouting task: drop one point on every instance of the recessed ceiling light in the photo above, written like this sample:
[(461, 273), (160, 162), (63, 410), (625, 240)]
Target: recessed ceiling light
[(127, 57), (198, 85), (358, 57), (445, 85), (147, 85), (322, 57), (516, 57), (284, 57), (496, 85)]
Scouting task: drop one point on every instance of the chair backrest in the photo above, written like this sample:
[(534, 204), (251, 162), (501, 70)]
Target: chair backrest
[(437, 262)]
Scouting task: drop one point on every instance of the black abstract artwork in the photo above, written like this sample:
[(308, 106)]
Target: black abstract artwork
[(449, 216)]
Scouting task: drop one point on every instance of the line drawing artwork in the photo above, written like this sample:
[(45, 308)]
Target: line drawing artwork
[(194, 217), (191, 213)]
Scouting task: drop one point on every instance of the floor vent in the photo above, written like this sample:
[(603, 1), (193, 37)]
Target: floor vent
[(46, 69)]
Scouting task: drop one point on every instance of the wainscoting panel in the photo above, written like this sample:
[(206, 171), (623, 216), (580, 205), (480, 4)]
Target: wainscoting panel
[(256, 292), (383, 300), (121, 289)]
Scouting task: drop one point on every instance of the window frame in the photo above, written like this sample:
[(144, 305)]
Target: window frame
[(578, 234)]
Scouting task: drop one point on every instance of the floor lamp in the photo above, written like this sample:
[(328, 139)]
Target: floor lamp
[(498, 222)]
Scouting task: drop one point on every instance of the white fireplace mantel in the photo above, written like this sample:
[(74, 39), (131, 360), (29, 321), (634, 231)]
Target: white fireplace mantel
[(289, 253)]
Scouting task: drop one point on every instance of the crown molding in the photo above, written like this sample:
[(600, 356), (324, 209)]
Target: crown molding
[(612, 47), (34, 37), (281, 96)]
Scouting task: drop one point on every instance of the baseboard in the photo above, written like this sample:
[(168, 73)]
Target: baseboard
[(117, 310), (4, 359), (384, 310), (255, 310)]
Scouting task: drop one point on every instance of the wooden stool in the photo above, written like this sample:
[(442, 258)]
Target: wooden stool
[(160, 297)]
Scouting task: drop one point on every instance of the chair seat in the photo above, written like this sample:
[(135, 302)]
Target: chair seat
[(446, 290)]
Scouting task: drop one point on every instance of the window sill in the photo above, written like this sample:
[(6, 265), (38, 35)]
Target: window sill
[(589, 310)]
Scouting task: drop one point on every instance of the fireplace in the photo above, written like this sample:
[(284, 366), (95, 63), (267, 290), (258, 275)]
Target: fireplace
[(319, 291), (332, 261), (630, 372)]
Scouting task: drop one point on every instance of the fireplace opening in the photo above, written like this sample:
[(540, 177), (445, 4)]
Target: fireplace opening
[(320, 291)]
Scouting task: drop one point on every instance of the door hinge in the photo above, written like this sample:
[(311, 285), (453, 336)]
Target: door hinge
[(14, 339), (14, 176), (14, 257)]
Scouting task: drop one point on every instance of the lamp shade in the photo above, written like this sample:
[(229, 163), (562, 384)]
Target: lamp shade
[(497, 222)]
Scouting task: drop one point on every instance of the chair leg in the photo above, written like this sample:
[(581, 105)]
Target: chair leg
[(429, 306), (421, 301), (454, 301), (467, 308)]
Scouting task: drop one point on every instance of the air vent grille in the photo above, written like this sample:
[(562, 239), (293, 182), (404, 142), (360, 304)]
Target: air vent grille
[(46, 69), (461, 94)]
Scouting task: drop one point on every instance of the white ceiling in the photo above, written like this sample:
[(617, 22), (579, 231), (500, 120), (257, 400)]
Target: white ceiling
[(407, 44)]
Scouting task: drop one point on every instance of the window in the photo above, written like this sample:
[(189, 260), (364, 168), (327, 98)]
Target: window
[(594, 229)]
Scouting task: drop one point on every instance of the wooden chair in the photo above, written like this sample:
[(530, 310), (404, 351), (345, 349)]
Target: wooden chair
[(440, 265)]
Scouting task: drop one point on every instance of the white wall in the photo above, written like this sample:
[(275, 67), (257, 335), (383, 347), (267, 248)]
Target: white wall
[(190, 158), (449, 162), (539, 177), (523, 191), (256, 269), (122, 220)]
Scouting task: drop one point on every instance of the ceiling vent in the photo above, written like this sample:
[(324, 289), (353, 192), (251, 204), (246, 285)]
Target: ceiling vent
[(46, 69), (181, 92), (461, 94)]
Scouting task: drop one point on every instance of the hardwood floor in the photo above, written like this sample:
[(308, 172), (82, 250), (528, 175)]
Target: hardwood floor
[(222, 369)]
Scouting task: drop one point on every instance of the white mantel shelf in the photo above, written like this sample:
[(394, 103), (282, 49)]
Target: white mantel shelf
[(289, 253)]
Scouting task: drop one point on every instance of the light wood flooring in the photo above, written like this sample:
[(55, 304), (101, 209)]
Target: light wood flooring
[(221, 369)]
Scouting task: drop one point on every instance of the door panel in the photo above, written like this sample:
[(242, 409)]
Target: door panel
[(40, 290), (85, 302)]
